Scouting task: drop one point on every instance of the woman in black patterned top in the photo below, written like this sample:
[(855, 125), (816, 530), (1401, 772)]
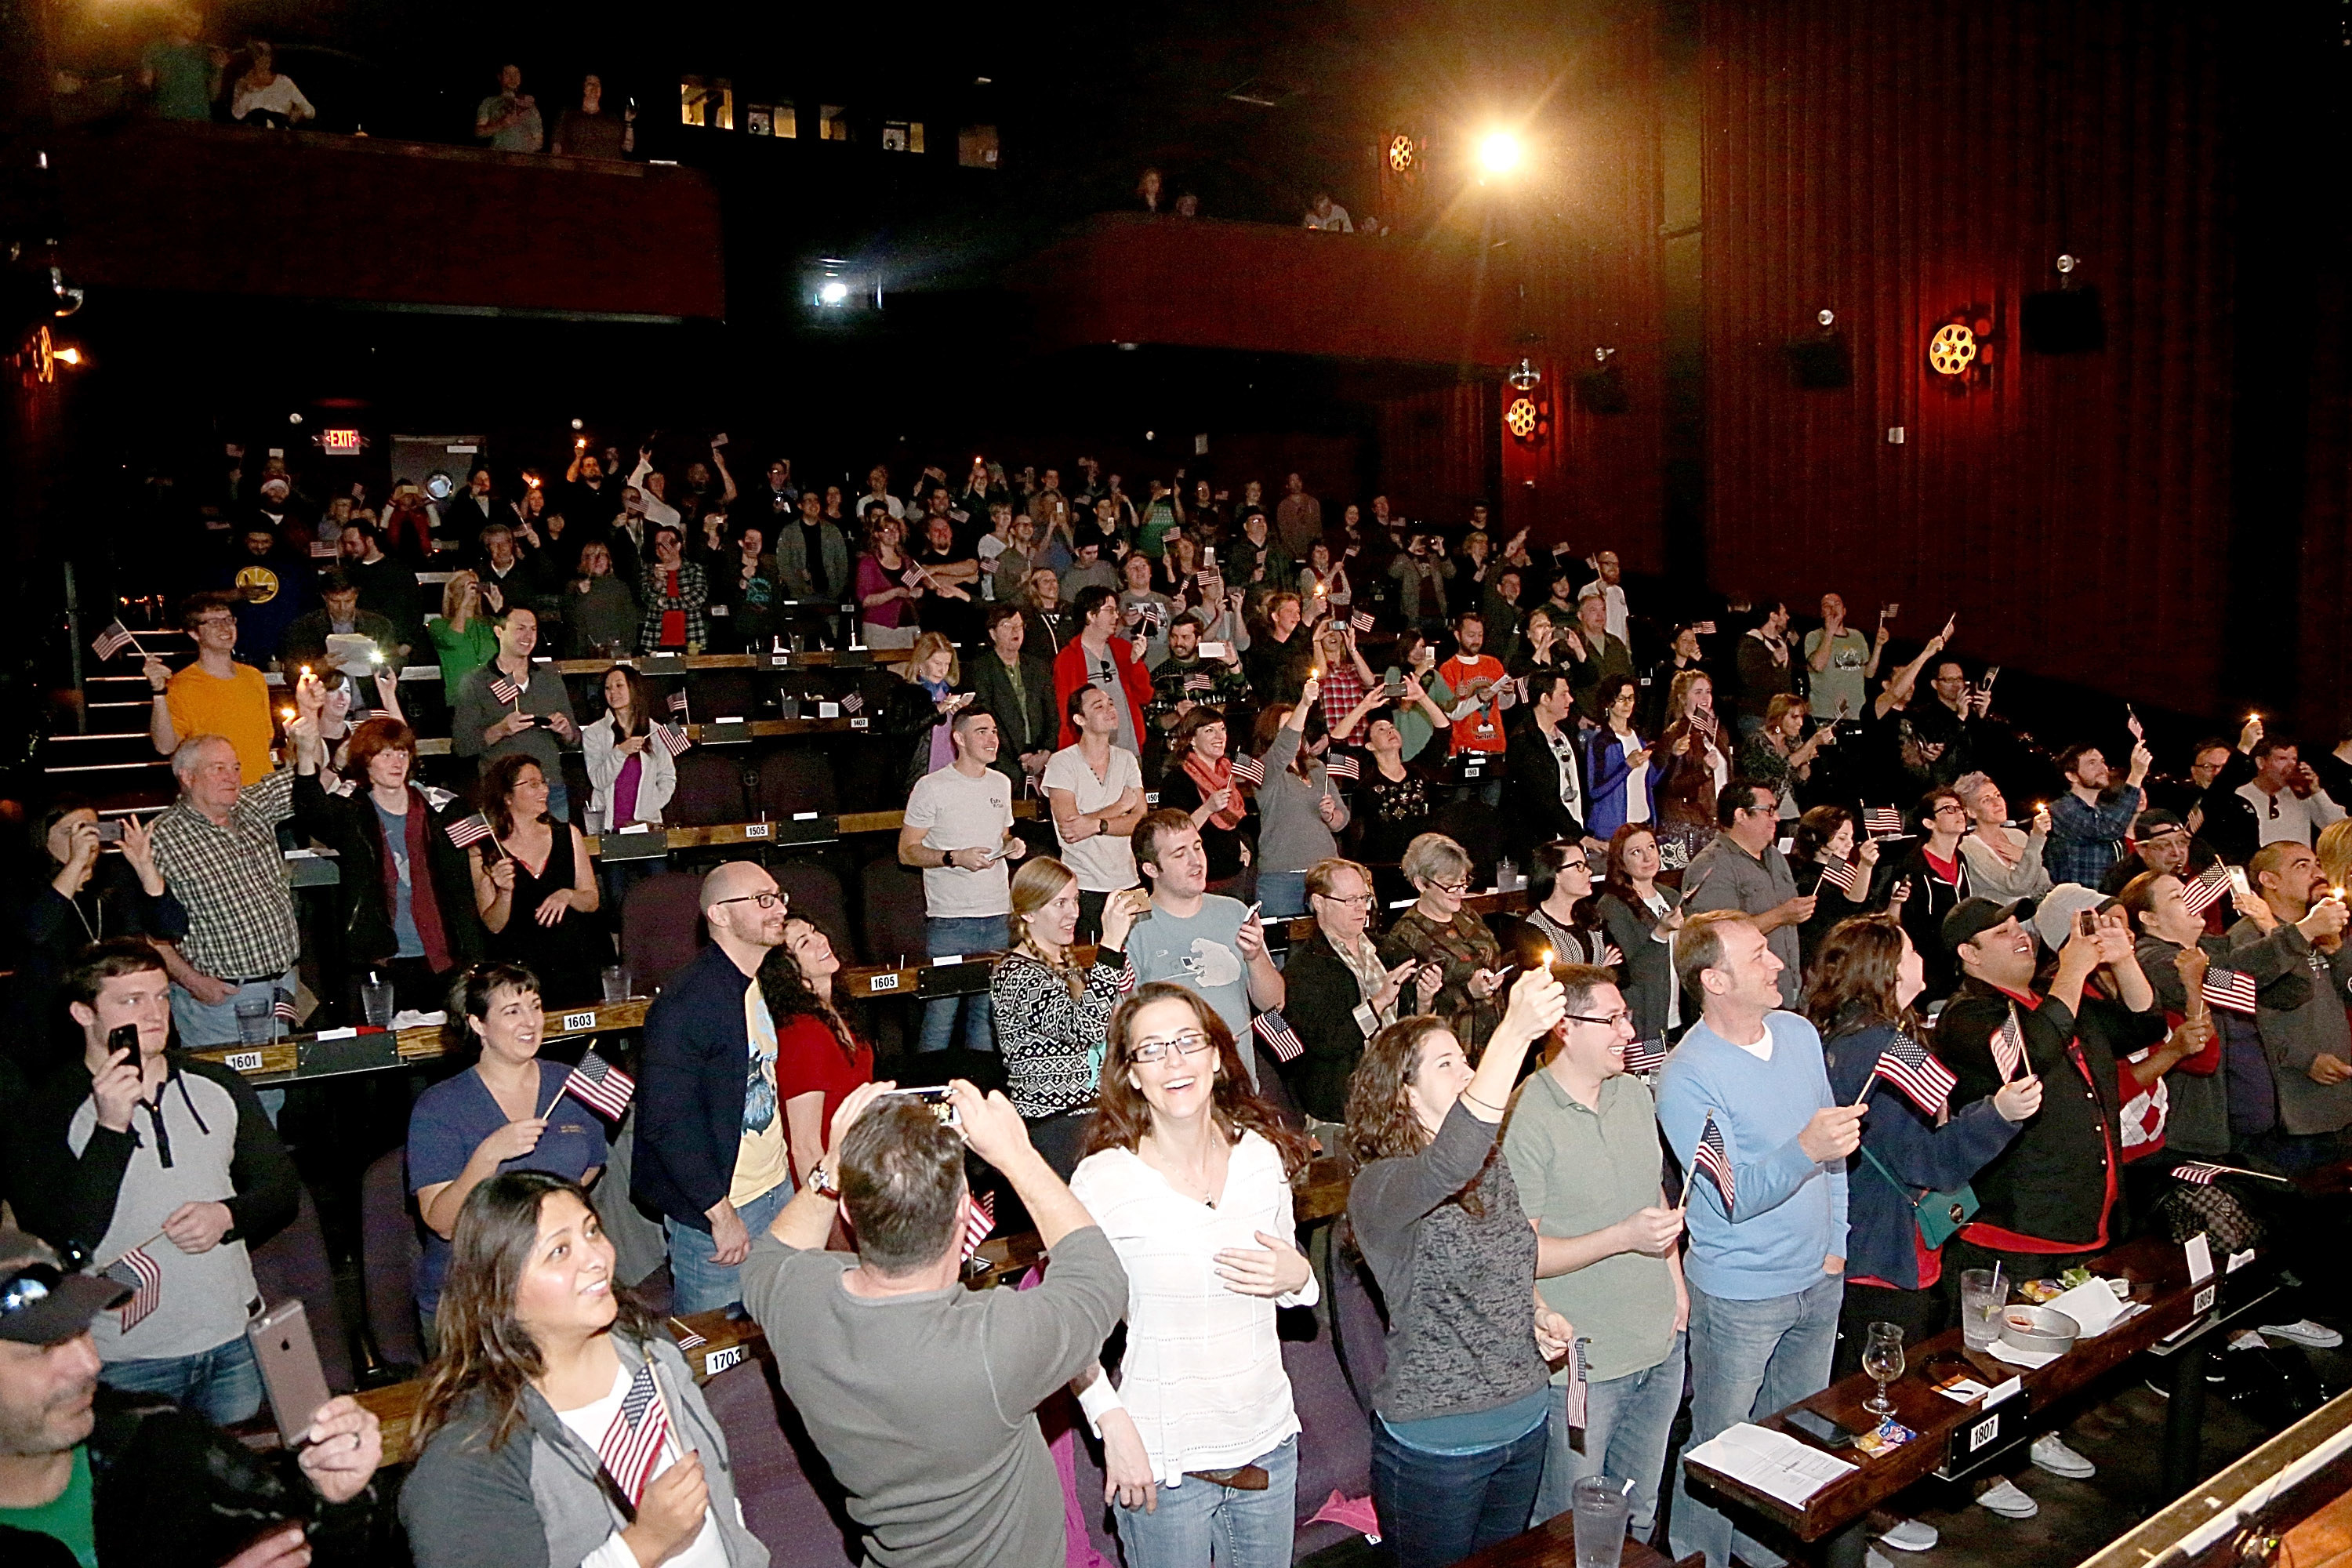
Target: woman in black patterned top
[(1566, 917), (1053, 1018), (1396, 797)]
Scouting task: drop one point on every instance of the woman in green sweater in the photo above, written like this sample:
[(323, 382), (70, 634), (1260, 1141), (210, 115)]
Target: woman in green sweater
[(462, 636)]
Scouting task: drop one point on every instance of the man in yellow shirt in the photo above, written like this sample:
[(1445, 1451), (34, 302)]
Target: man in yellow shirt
[(213, 696)]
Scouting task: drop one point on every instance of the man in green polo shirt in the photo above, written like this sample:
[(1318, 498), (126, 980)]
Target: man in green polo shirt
[(1582, 1142)]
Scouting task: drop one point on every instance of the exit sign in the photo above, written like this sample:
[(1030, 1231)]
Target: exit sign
[(340, 443)]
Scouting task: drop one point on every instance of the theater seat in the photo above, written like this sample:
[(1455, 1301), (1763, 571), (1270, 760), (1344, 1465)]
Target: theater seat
[(293, 1263), (894, 911), (1479, 828), (816, 894), (389, 1250), (661, 927), (795, 778), (709, 790)]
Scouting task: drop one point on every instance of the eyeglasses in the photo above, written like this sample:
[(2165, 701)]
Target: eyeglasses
[(1190, 1043), (765, 901), (1577, 865), (1622, 1015), (1457, 889), (1951, 807), (1345, 897)]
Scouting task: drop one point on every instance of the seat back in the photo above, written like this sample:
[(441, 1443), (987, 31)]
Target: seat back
[(709, 789), (794, 779), (661, 927), (1479, 828), (816, 894), (389, 1250), (293, 1263), (894, 910)]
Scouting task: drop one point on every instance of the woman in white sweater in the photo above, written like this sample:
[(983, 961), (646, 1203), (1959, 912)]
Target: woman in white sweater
[(1190, 1178), (2004, 863), (630, 776)]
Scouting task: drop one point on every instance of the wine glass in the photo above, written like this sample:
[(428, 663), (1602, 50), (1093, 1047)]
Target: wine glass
[(1882, 1358)]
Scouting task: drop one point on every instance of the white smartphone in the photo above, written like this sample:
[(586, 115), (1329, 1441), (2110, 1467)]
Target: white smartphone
[(291, 1373), (1214, 650), (2238, 883)]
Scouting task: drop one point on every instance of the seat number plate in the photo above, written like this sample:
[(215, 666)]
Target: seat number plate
[(245, 1061), (718, 1361), (2204, 1301), (572, 1021), (755, 830), (1983, 1432), (885, 982)]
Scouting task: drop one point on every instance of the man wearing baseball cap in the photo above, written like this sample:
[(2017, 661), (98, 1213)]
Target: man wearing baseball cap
[(2160, 842), (89, 1472)]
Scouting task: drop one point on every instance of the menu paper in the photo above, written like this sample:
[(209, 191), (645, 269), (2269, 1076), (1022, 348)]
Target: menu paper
[(1771, 1462)]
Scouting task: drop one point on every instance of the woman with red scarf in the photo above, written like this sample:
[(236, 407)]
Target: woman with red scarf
[(1200, 780)]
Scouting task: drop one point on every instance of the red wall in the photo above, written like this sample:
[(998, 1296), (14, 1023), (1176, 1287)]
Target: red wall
[(210, 209), (1896, 162)]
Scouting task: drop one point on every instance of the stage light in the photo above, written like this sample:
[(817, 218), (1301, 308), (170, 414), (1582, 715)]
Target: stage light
[(578, 425), (1500, 153), (68, 356), (293, 419), (834, 293)]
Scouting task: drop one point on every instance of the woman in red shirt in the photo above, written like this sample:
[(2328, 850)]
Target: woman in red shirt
[(819, 1059)]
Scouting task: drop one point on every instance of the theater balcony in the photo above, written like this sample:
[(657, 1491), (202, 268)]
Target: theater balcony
[(213, 210), (1133, 278)]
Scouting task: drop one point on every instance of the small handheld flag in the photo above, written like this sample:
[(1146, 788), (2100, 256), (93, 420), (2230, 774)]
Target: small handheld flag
[(1362, 621), (854, 702), (468, 830), (503, 689), (1249, 770), (686, 1336), (1844, 875), (982, 1221), (601, 1086), (2198, 1174), (145, 1277), (1882, 822), (112, 640), (281, 1007), (632, 1445), (1909, 1067), (678, 700), (1713, 1158), (1275, 1031), (671, 738), (1344, 767), (1645, 1055), (2203, 892), (2009, 1046), (2230, 988)]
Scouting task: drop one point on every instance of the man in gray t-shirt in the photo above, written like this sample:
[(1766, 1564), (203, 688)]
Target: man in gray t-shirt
[(1202, 940), (1741, 869), (921, 1393)]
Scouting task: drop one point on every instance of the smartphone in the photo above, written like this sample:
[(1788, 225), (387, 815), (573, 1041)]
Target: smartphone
[(2238, 883), (2086, 922), (719, 440), (936, 1097), (1214, 650), (1208, 555), (1821, 1428), (122, 1040), (109, 832), (290, 1374), (1394, 689)]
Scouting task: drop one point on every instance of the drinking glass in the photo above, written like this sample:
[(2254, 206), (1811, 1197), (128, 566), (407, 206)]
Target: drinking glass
[(376, 1001), (1603, 1506), (257, 1025), (617, 982), (1882, 1358), (1980, 1306)]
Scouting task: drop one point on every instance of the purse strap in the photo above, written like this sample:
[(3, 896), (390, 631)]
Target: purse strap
[(1880, 1166)]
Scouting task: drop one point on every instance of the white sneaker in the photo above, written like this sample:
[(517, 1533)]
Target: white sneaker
[(1873, 1558), (1909, 1535), (2051, 1453), (2304, 1332), (2004, 1498)]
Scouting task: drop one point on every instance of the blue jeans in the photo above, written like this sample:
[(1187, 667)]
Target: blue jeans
[(1748, 1360), (1200, 1522), (696, 1284), (1284, 893), (1626, 1420), (201, 1025), (1437, 1509), (962, 934), (223, 1383)]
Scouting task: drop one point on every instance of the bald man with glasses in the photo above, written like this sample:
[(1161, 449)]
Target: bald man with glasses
[(713, 1154)]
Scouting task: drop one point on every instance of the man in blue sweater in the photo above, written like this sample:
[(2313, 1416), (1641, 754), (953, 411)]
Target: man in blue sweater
[(1766, 1269)]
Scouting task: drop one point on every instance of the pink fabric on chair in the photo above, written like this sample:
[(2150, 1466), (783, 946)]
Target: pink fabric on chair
[(1080, 1546), (1353, 1512)]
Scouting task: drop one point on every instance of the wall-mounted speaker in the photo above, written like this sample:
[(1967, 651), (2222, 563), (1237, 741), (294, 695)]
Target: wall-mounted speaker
[(1820, 363), (1603, 392), (2064, 321)]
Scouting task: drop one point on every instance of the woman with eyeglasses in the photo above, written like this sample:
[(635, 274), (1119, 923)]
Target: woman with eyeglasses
[(1188, 1173), (1340, 992), (922, 712), (1921, 882), (535, 888), (1439, 932), (1461, 1412), (1051, 1015), (1565, 921)]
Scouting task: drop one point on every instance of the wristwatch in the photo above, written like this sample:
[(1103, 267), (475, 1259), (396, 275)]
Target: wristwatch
[(822, 1182)]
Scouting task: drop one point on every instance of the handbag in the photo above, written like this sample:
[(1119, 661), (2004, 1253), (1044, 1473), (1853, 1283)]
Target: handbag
[(1937, 1215)]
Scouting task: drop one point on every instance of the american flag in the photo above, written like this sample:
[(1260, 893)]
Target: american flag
[(1704, 722), (2009, 1046), (1275, 1031), (1909, 1067), (1362, 621), (1714, 1158), (982, 1221), (468, 830), (686, 1336), (139, 1271), (671, 738), (1249, 769), (632, 1445), (1645, 1055), (1882, 822), (678, 700), (1344, 767), (2230, 988), (1844, 875), (502, 689), (112, 640), (2207, 891), (1199, 683), (854, 702), (281, 1007), (1579, 1390), (1149, 615), (601, 1085), (2198, 1174)]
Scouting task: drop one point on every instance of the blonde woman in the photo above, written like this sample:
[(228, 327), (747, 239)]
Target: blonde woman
[(923, 710), (462, 640), (1051, 1016)]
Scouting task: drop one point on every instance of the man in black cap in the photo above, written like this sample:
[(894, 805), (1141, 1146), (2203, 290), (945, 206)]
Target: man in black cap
[(2160, 842), (89, 1473)]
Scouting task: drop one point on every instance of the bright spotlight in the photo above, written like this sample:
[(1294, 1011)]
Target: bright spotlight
[(68, 356), (1500, 153), (834, 292)]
